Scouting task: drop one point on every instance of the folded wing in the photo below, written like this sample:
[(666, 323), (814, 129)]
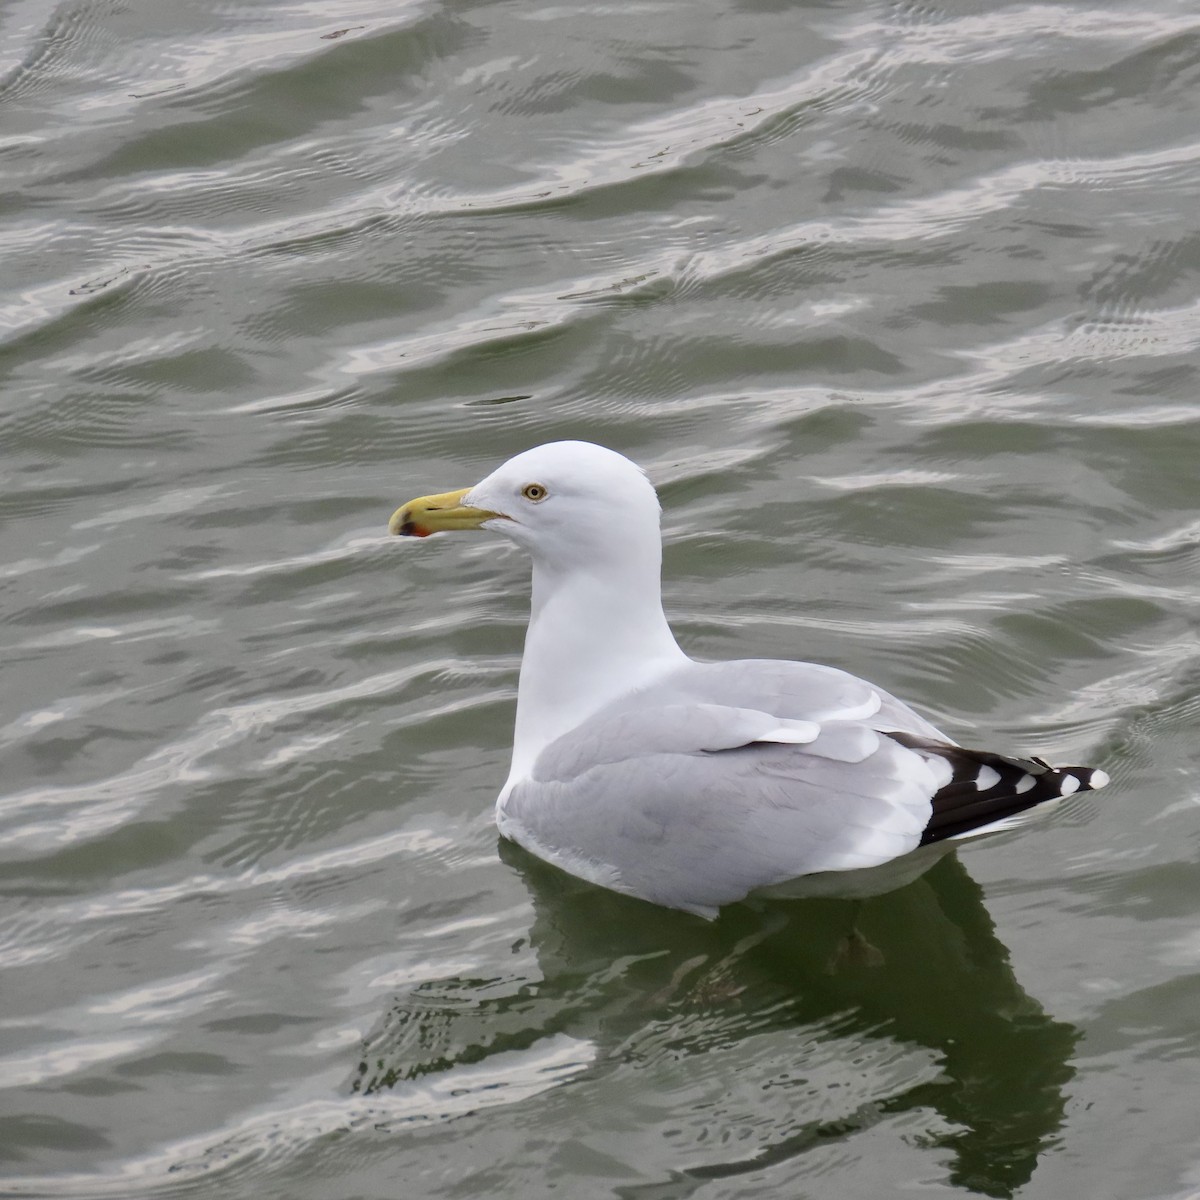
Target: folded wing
[(695, 806)]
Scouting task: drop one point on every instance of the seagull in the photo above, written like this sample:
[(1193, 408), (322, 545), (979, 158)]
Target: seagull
[(694, 784)]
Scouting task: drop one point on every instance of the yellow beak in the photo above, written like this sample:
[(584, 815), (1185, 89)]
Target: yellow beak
[(436, 514)]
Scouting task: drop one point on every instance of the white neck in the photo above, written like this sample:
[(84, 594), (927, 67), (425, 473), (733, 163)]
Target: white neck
[(594, 634)]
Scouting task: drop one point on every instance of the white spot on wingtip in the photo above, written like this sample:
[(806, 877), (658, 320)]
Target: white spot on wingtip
[(1024, 784), (988, 777), (1099, 779), (1067, 785)]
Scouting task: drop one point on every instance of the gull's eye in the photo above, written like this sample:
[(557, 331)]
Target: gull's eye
[(534, 492)]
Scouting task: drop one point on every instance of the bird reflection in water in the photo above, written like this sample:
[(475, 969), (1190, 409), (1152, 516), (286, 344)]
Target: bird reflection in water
[(922, 999)]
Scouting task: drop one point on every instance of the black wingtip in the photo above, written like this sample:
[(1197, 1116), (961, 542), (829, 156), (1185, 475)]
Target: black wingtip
[(986, 788)]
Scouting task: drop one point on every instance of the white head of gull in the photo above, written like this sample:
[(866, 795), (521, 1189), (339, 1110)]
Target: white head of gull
[(694, 784)]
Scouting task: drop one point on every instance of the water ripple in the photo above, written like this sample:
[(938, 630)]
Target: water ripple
[(258, 1144), (56, 817)]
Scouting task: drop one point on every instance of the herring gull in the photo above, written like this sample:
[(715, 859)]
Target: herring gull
[(692, 784)]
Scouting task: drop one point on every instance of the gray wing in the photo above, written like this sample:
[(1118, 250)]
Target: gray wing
[(694, 804), (797, 690)]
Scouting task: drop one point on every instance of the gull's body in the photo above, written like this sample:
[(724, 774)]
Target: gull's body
[(693, 784)]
